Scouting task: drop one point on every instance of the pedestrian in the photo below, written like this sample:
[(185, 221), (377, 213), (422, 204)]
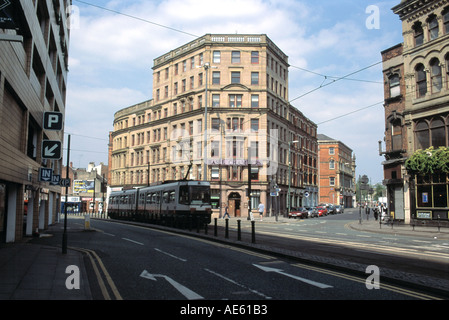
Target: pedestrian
[(261, 210), (367, 212), (375, 212), (226, 213)]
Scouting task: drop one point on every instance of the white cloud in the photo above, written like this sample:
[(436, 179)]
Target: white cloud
[(111, 57)]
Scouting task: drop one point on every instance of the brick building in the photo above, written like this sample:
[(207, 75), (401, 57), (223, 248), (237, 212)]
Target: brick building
[(242, 81), (416, 77), (336, 172), (33, 77)]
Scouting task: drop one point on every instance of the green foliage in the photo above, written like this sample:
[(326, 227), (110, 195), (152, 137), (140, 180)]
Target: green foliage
[(429, 161)]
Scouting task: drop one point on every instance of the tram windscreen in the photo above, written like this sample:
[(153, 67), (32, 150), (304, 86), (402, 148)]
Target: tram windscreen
[(199, 195)]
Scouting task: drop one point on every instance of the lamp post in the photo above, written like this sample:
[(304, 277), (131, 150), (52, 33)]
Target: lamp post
[(206, 67), (289, 174), (342, 183)]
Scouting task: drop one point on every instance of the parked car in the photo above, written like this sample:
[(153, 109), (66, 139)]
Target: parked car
[(300, 212), (339, 209), (313, 212), (331, 209), (322, 211)]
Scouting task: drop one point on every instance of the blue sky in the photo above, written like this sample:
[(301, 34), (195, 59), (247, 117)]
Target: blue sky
[(111, 56)]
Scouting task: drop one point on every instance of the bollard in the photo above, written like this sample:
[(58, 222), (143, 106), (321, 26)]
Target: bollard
[(253, 232), (215, 226), (86, 222), (239, 231), (227, 229)]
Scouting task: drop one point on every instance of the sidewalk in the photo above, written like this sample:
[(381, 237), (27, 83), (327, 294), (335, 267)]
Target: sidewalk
[(37, 272), (399, 229), (370, 225)]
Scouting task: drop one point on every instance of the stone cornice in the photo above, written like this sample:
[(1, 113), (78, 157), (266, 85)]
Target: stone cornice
[(414, 9)]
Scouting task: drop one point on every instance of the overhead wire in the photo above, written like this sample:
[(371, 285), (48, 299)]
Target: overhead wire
[(323, 85)]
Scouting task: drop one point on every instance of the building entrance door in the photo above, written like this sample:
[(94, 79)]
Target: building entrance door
[(234, 201)]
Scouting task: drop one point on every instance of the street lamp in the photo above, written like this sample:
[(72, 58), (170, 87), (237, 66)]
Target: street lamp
[(289, 174), (206, 67), (342, 183)]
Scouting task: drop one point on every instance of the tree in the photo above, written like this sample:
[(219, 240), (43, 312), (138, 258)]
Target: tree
[(429, 161)]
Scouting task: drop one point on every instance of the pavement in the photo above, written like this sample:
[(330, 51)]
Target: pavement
[(38, 272)]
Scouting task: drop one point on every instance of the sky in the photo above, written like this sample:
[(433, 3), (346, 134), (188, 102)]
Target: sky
[(334, 49)]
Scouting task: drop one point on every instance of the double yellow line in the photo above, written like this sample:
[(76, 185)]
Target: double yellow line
[(100, 272)]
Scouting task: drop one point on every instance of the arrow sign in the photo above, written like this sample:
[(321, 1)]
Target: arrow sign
[(186, 292), (313, 283), (51, 150)]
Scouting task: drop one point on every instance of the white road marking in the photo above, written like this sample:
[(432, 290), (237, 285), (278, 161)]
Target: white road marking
[(139, 243), (170, 255)]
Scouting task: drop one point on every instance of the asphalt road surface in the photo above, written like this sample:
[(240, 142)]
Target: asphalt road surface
[(148, 264)]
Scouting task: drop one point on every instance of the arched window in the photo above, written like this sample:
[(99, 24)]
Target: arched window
[(435, 74), (418, 33), (395, 89), (433, 27), (446, 58), (422, 139), (396, 135), (421, 81), (437, 130), (446, 20)]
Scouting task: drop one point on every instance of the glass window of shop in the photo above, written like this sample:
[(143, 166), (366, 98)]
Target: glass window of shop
[(432, 191)]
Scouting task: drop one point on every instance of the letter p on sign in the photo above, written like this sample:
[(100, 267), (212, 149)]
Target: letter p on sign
[(53, 121)]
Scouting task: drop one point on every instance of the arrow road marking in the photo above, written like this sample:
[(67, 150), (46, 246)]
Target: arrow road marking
[(186, 292), (313, 283)]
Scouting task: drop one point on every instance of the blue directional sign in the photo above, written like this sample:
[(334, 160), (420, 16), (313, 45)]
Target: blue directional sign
[(55, 180), (45, 175)]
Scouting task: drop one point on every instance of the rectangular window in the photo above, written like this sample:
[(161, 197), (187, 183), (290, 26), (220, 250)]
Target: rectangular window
[(216, 77), (255, 101), (216, 57), (235, 100), (254, 125), (235, 57), (255, 57), (395, 89), (215, 100), (254, 78), (215, 173), (235, 77), (215, 124)]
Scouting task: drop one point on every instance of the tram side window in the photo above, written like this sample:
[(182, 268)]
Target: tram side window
[(165, 197), (172, 196), (184, 194)]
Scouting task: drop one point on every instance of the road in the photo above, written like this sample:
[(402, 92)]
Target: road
[(139, 263)]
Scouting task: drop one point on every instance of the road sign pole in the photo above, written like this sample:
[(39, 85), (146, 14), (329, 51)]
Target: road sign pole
[(64, 235)]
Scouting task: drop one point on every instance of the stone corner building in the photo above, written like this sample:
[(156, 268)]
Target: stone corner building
[(34, 41), (416, 77), (242, 81)]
